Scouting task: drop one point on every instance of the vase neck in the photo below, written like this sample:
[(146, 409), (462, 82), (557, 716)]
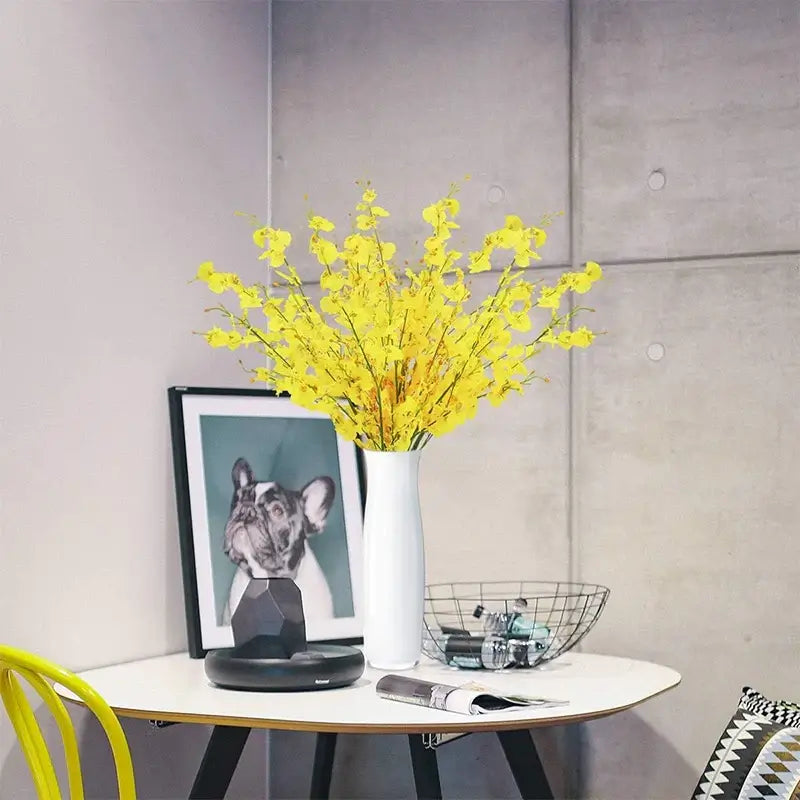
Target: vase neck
[(392, 462), (393, 456)]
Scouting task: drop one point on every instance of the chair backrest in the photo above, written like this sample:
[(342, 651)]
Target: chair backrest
[(39, 673)]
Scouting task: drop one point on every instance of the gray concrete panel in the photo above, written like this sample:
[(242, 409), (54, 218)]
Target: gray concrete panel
[(707, 92), (414, 96), (686, 504)]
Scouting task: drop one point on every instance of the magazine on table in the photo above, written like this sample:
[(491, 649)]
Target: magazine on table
[(469, 698)]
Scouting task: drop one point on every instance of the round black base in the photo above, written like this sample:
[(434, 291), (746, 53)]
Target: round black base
[(322, 666)]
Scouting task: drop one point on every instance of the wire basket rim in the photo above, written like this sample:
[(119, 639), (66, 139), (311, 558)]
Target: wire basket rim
[(588, 589)]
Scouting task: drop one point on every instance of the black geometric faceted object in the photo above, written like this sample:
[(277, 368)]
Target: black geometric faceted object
[(270, 652), (269, 621)]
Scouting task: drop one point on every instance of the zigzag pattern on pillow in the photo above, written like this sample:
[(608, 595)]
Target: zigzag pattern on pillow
[(780, 711)]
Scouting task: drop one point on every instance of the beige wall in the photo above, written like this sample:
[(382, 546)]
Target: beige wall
[(134, 129), (130, 132)]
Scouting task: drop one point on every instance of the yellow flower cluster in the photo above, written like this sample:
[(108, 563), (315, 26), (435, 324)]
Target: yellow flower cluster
[(393, 355)]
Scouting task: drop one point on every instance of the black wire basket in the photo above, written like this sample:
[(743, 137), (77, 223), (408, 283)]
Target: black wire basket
[(508, 624)]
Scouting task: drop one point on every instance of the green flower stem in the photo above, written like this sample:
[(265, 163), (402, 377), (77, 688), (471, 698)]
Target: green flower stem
[(371, 372)]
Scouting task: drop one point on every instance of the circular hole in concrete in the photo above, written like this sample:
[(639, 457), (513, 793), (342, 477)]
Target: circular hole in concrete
[(656, 351), (657, 180), (495, 194)]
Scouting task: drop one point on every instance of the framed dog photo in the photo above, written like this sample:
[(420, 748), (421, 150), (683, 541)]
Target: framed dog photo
[(265, 489)]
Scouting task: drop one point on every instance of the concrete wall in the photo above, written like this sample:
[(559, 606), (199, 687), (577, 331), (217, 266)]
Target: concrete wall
[(669, 479), (131, 132)]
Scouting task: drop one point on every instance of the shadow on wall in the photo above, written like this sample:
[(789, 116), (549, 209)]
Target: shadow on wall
[(632, 760), (378, 767), (164, 760)]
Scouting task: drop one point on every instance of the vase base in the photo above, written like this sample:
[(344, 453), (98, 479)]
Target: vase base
[(388, 666)]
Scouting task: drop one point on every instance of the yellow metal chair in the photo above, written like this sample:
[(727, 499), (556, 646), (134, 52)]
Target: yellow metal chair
[(38, 672)]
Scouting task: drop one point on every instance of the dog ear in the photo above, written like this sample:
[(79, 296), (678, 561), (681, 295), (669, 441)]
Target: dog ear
[(241, 474), (317, 497)]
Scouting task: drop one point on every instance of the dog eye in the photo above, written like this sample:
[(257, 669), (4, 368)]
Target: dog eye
[(276, 510)]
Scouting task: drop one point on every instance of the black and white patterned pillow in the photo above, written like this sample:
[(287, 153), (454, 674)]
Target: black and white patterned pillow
[(758, 754), (781, 711)]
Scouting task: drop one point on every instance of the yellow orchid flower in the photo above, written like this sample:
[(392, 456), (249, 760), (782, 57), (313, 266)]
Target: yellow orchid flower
[(395, 355), (249, 297), (582, 337), (220, 282), (217, 337), (364, 222), (317, 223), (205, 271)]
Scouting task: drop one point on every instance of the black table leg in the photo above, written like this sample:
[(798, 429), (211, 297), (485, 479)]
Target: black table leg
[(323, 766), (426, 770), (219, 762), (525, 765)]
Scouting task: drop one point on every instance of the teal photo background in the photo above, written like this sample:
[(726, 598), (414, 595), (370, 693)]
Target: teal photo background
[(291, 452)]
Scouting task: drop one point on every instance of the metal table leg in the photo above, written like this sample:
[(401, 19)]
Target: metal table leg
[(525, 764), (426, 769), (323, 766), (219, 762)]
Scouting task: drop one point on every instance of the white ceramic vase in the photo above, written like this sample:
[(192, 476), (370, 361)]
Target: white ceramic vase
[(394, 560)]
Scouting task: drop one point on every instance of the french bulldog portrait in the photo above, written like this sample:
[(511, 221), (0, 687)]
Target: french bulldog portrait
[(266, 537)]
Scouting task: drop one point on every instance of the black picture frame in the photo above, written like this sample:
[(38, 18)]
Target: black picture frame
[(211, 429)]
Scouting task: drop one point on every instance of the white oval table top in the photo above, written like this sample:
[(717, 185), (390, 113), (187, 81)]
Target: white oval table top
[(175, 688)]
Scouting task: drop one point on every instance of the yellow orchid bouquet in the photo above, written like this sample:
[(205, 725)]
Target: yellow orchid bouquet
[(393, 355)]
